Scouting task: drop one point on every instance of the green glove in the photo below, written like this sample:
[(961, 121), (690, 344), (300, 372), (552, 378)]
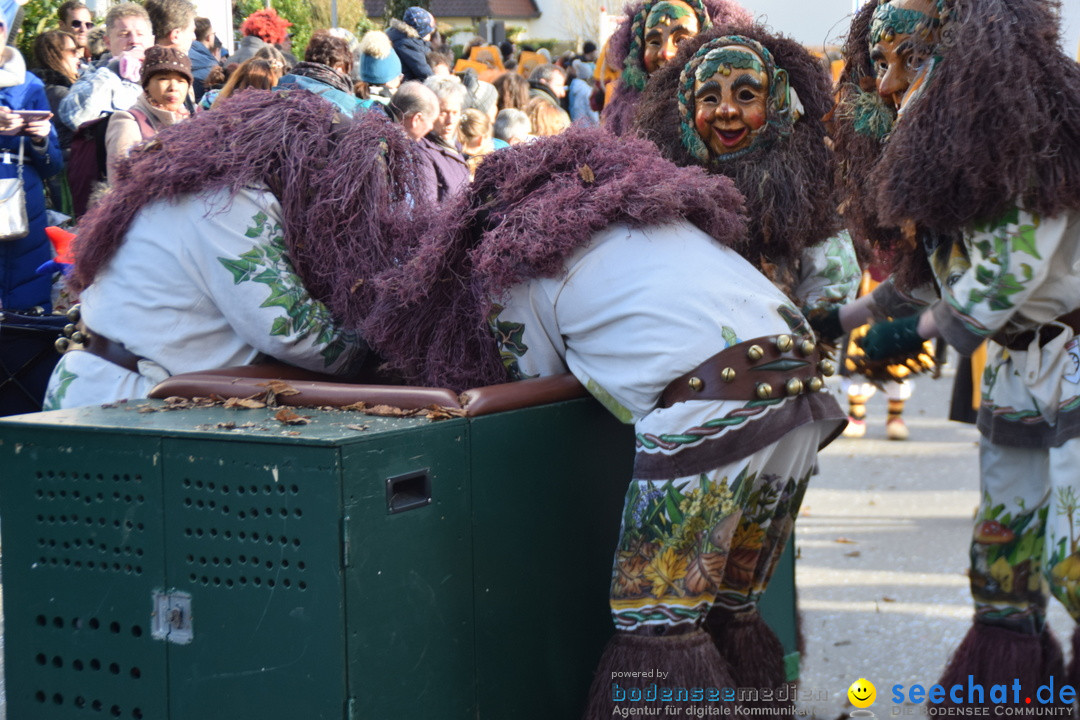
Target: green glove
[(826, 324), (893, 338)]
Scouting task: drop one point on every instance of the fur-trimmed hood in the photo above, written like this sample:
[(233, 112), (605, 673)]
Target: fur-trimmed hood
[(403, 28)]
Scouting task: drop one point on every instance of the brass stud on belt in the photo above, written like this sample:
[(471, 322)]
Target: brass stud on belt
[(727, 374), (78, 337), (814, 384), (754, 352), (794, 386), (764, 391), (807, 347), (61, 345), (827, 368), (69, 329), (697, 384), (784, 343), (74, 312)]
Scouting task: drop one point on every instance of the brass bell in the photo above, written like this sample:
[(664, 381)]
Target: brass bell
[(807, 347), (78, 337), (697, 384), (74, 313), (814, 384), (764, 391), (754, 352), (69, 329), (827, 368), (61, 345), (727, 374), (794, 386), (784, 343)]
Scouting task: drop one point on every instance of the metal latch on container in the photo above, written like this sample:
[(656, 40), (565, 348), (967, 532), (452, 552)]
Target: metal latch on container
[(171, 617)]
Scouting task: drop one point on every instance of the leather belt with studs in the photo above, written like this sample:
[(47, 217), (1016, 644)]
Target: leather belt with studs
[(765, 368)]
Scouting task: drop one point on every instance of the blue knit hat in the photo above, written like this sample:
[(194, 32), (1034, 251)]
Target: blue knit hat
[(379, 64), (419, 20), (8, 9)]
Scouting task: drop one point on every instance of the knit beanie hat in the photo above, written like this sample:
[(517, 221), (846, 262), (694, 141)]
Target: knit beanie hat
[(419, 20), (160, 59), (379, 64)]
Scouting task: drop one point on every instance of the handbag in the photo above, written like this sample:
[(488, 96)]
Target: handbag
[(13, 221)]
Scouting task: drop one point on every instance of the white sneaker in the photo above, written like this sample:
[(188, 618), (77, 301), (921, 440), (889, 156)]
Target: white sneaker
[(855, 428)]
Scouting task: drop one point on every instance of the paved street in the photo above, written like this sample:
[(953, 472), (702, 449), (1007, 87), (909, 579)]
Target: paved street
[(882, 546)]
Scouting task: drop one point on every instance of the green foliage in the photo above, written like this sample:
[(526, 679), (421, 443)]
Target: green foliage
[(38, 17), (395, 9), (307, 16)]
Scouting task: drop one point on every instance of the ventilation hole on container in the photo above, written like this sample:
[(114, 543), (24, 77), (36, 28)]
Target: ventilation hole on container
[(41, 659), (187, 532), (91, 564), (200, 504), (58, 699), (114, 668), (39, 494), (116, 567), (77, 665), (94, 624), (116, 495), (228, 582), (241, 515), (138, 552), (240, 490), (80, 701), (211, 504), (254, 535), (190, 559), (77, 623), (199, 484), (137, 714), (298, 512), (193, 577), (287, 582), (241, 535), (198, 532), (95, 664), (302, 565), (227, 534), (294, 489), (283, 540), (115, 711), (302, 585), (243, 580), (269, 539), (136, 673), (224, 509), (136, 631), (58, 622), (41, 620), (211, 487), (67, 562), (227, 562), (217, 582), (256, 581), (225, 489), (269, 564), (187, 482), (254, 489), (96, 706), (114, 627), (57, 661), (205, 580), (39, 696), (296, 542), (127, 499), (140, 526), (213, 532), (270, 582), (281, 489)]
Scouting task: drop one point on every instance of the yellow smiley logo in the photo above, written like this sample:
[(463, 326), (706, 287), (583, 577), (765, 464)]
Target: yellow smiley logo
[(862, 693)]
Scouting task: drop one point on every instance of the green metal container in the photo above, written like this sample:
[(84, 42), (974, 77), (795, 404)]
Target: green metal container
[(213, 563)]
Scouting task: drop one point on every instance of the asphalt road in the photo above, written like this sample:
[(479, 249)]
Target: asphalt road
[(882, 549)]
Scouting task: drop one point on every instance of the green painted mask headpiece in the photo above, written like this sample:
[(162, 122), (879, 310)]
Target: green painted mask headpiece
[(725, 54), (634, 66)]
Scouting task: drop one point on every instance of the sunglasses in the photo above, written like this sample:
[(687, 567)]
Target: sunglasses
[(82, 23)]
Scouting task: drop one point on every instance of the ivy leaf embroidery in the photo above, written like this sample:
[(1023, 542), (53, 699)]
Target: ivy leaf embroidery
[(1024, 241)]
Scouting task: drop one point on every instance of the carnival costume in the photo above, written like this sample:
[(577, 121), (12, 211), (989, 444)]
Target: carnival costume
[(782, 168), (992, 211), (200, 259), (626, 48), (561, 256)]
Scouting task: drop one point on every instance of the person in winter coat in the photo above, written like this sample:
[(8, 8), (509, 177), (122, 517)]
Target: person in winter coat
[(57, 58), (20, 285), (410, 37), (259, 29), (166, 79), (444, 171), (326, 71)]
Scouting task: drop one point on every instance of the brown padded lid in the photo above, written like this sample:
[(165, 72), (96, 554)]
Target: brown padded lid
[(317, 390)]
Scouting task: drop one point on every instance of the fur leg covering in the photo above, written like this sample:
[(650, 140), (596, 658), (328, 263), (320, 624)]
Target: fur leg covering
[(756, 657), (690, 661), (996, 656)]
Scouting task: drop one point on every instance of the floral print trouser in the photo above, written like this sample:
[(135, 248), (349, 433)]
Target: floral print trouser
[(690, 543), (1026, 541)]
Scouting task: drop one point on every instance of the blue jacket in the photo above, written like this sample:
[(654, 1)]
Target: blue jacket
[(411, 51), (202, 60), (348, 104), (20, 285)]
